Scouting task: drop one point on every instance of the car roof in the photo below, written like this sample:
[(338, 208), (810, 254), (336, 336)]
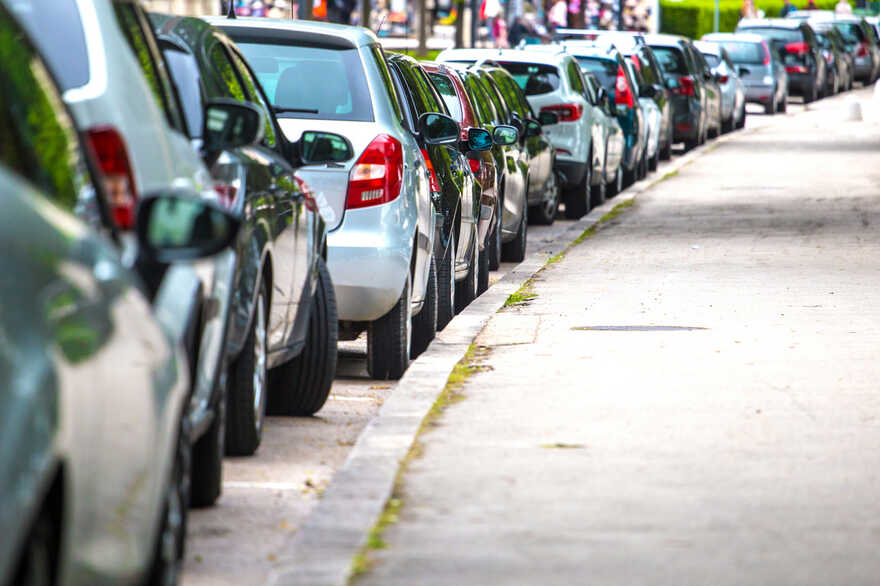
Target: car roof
[(356, 36), (790, 23), (708, 47), (739, 37), (605, 49), (663, 39)]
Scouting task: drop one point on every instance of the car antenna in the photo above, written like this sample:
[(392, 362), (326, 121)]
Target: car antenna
[(230, 14), (381, 23)]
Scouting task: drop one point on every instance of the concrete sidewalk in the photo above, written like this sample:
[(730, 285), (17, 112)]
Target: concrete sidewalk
[(691, 398)]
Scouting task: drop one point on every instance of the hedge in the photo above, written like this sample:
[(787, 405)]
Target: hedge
[(694, 18)]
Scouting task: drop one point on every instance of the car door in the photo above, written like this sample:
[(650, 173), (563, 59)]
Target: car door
[(109, 359)]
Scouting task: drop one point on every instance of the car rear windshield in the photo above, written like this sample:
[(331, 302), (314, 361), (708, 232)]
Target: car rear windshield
[(534, 78), (605, 71), (671, 60), (712, 60), (447, 93), (311, 82), (777, 35), (742, 52), (851, 31), (56, 29)]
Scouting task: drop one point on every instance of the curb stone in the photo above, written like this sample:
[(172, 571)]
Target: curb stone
[(321, 551)]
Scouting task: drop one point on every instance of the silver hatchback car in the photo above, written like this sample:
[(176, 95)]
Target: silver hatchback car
[(759, 67), (377, 205)]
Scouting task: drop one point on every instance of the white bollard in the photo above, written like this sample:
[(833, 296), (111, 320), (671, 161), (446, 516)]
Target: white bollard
[(853, 109)]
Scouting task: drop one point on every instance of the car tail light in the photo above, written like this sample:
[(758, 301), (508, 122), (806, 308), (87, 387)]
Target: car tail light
[(563, 152), (306, 191), (634, 59), (475, 165), (622, 94), (863, 50), (723, 78), (685, 86), (435, 185), (766, 53), (376, 177), (797, 48), (117, 175), (566, 112), (683, 127), (796, 69), (226, 193)]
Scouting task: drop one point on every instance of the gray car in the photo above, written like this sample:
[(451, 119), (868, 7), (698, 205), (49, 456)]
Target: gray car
[(377, 205), (733, 95), (758, 66), (95, 457)]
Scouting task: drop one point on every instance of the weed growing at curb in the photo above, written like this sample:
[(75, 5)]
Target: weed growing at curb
[(524, 293), (555, 258), (469, 364), (615, 211)]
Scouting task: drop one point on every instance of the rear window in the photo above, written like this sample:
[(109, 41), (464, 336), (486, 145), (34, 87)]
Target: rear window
[(671, 60), (56, 29), (533, 78), (777, 35), (741, 52), (186, 75), (447, 94), (712, 60), (311, 82), (851, 32), (604, 70)]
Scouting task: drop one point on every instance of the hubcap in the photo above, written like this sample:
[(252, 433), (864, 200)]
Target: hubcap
[(259, 361)]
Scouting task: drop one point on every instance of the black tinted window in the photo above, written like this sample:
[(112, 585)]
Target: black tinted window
[(311, 82), (605, 71), (671, 60), (778, 35), (852, 32), (185, 73), (648, 70), (447, 93), (56, 29), (534, 78), (482, 106), (512, 94)]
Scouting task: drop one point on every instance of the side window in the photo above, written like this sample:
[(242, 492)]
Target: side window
[(432, 100), (480, 100), (574, 77), (140, 38), (648, 71), (497, 102), (186, 77), (379, 58), (256, 96), (37, 137), (223, 67)]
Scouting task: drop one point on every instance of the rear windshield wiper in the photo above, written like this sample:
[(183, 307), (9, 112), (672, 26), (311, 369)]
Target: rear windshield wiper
[(286, 110)]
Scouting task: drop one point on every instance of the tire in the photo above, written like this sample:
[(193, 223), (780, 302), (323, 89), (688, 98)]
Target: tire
[(598, 192), (654, 161), (38, 564), (782, 107), (446, 282), (811, 95), (424, 323), (389, 339), (729, 124), (577, 198), (616, 185), (246, 401), (515, 250), (741, 123), (170, 545), (483, 281), (494, 244), (770, 108), (545, 213), (466, 291), (301, 386), (666, 151), (207, 459), (630, 176)]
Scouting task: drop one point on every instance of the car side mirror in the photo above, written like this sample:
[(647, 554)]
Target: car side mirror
[(532, 128), (181, 225), (230, 124), (647, 91), (504, 135), (547, 118), (744, 71), (316, 147), (438, 128), (478, 139)]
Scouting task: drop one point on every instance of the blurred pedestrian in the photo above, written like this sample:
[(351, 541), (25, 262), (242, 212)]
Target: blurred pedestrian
[(842, 7), (499, 32), (557, 16), (811, 5), (787, 8), (748, 9), (518, 30)]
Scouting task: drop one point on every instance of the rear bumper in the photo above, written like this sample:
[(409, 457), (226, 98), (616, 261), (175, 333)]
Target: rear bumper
[(573, 171), (759, 94), (862, 67), (368, 257), (800, 83), (685, 118)]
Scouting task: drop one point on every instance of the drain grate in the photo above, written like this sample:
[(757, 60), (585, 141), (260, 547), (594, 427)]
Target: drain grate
[(638, 328)]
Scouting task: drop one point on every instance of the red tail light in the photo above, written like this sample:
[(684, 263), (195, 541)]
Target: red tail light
[(863, 50), (475, 165), (566, 112), (119, 185), (226, 193), (766, 53), (308, 196), (796, 69), (723, 78), (634, 59), (622, 95), (685, 86), (435, 185), (797, 48), (376, 177)]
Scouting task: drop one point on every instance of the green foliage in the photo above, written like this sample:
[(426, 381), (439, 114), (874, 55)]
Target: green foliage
[(694, 18)]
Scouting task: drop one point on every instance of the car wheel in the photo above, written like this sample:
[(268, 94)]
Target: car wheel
[(810, 96), (446, 281), (38, 564), (483, 281), (494, 246), (515, 250), (246, 402), (466, 291), (545, 213), (616, 184), (783, 106), (171, 539), (424, 326), (207, 458), (654, 161), (301, 386), (389, 339), (598, 192), (577, 197)]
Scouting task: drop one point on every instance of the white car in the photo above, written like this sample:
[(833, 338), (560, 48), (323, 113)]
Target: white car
[(552, 82)]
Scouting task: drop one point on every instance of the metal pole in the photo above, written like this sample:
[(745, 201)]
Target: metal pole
[(422, 16), (366, 8), (475, 21), (716, 17)]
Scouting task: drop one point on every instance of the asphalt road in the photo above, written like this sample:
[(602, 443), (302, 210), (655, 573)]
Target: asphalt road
[(267, 496)]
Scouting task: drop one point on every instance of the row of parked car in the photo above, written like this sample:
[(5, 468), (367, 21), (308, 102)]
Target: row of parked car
[(196, 211)]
